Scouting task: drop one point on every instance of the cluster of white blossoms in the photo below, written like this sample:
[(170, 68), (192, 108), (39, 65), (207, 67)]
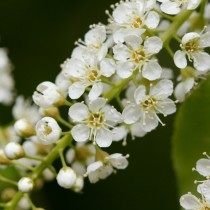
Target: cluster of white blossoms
[(6, 80), (190, 201), (116, 84)]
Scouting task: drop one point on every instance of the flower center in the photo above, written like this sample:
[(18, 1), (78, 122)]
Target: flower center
[(93, 75), (138, 55), (47, 129), (137, 22), (192, 46), (96, 120), (149, 103)]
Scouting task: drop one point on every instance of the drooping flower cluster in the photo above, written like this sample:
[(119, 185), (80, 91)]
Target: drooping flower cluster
[(114, 85)]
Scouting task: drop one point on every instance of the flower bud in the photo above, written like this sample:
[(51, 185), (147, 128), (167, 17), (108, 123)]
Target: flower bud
[(3, 159), (24, 203), (48, 175), (14, 151), (7, 194), (66, 178), (79, 184), (48, 95), (50, 112), (25, 185), (48, 130), (24, 128)]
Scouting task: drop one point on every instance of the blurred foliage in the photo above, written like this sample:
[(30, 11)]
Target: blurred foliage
[(192, 136)]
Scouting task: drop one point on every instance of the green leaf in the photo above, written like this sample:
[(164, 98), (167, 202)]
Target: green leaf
[(191, 136)]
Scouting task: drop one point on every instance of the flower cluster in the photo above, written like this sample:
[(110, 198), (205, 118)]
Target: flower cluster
[(114, 85), (190, 201)]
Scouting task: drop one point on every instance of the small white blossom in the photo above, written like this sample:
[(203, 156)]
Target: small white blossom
[(24, 128), (47, 94), (102, 169), (191, 202), (48, 130), (24, 109), (14, 151), (94, 122), (204, 189), (147, 106), (131, 18), (25, 184), (86, 71), (203, 167), (66, 178), (173, 7), (79, 184), (133, 55), (193, 45)]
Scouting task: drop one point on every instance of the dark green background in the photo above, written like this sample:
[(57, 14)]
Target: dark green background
[(40, 35)]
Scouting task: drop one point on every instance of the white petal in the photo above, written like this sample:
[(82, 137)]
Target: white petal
[(111, 114), (153, 45), (131, 114), (78, 112), (118, 161), (152, 70), (95, 91), (204, 189), (152, 20), (103, 138), (149, 122), (133, 42), (80, 133), (190, 37), (119, 133), (125, 70), (97, 104), (201, 61), (140, 94), (203, 167), (205, 40), (171, 8), (190, 202), (163, 89), (183, 88), (107, 67), (193, 4), (76, 90), (106, 171), (121, 52), (180, 59), (137, 130), (166, 107)]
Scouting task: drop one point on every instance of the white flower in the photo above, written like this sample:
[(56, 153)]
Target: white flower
[(102, 169), (48, 130), (79, 184), (192, 46), (94, 122), (191, 202), (24, 128), (47, 94), (95, 40), (147, 106), (173, 7), (66, 178), (131, 18), (25, 184), (203, 167), (14, 151), (207, 14), (24, 109), (133, 55), (86, 71), (204, 189)]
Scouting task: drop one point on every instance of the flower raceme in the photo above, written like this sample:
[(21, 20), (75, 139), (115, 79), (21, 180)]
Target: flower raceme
[(115, 84)]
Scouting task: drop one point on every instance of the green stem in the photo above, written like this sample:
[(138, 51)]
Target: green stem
[(8, 181), (48, 160)]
